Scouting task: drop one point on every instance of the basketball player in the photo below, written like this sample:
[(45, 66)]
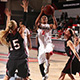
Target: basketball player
[(76, 44), (22, 25), (45, 44), (70, 67), (25, 30), (17, 57)]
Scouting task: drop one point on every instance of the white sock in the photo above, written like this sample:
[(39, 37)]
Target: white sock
[(46, 65), (47, 62)]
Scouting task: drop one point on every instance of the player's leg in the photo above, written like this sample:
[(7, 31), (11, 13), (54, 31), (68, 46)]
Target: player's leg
[(47, 63), (10, 69), (48, 50), (62, 76), (6, 77), (23, 70), (41, 60), (25, 78), (41, 67), (71, 76)]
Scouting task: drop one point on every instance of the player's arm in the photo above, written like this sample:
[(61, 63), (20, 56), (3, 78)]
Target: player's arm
[(39, 17), (6, 31), (8, 14), (54, 26), (79, 40), (29, 40), (25, 7), (71, 45)]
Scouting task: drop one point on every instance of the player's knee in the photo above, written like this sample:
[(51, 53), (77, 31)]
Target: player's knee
[(6, 77), (25, 78)]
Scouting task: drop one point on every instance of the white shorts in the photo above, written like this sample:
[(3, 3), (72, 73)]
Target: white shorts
[(41, 55), (49, 48)]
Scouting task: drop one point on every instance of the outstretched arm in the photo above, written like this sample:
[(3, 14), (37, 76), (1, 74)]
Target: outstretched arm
[(71, 45), (25, 7), (8, 14), (54, 26), (39, 17), (29, 40)]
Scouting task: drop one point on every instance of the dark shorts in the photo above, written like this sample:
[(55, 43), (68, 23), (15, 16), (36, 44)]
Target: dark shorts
[(67, 68), (72, 66), (20, 65)]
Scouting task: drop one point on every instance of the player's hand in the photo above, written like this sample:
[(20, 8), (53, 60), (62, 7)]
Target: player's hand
[(42, 9), (7, 12), (25, 4), (53, 11)]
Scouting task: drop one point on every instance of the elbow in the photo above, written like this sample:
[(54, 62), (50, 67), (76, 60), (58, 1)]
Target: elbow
[(55, 26)]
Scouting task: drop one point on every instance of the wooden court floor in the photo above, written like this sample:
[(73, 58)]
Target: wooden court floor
[(57, 63)]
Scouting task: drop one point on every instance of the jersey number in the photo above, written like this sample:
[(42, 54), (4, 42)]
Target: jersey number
[(15, 44)]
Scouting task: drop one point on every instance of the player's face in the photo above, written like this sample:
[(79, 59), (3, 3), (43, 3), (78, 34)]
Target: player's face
[(44, 19), (67, 34), (21, 25)]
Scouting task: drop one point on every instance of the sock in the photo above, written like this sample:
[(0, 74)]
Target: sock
[(46, 66), (41, 66), (47, 63)]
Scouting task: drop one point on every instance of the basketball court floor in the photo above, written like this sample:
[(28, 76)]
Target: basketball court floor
[(57, 63)]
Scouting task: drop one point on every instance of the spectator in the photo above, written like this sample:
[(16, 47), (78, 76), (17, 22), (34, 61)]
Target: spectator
[(65, 15), (62, 16)]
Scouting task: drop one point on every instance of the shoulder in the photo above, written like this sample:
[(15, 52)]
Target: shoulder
[(26, 29), (69, 43), (51, 25)]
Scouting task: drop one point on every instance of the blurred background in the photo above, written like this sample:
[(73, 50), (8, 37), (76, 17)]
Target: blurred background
[(67, 13)]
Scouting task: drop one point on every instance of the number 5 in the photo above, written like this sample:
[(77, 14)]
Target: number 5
[(15, 44)]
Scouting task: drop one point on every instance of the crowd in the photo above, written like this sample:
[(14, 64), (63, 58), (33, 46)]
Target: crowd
[(67, 22)]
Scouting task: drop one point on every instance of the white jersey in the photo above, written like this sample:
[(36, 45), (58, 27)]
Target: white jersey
[(45, 43), (41, 54), (26, 33), (40, 37), (77, 48), (47, 33)]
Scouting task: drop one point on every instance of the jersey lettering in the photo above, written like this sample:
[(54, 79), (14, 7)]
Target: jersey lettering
[(15, 44)]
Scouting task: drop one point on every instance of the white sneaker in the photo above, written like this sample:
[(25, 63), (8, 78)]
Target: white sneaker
[(45, 78)]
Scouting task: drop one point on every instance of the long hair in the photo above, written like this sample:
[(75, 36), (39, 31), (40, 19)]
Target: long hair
[(11, 26), (3, 38), (72, 34)]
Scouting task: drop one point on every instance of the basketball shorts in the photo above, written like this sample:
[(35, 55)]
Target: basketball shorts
[(20, 65), (49, 48)]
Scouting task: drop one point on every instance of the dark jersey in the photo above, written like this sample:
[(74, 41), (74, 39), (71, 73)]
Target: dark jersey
[(68, 50), (16, 49), (73, 65)]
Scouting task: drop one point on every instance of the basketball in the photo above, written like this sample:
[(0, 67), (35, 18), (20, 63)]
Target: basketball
[(48, 10)]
